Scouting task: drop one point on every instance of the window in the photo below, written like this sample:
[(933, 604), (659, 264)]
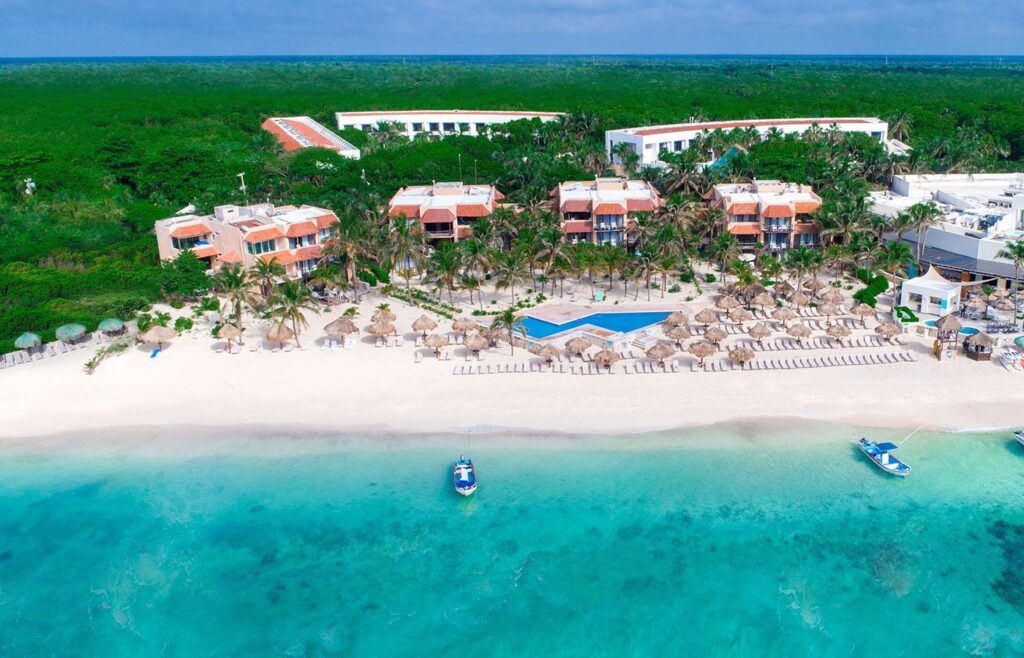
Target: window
[(417, 127), (679, 145), (324, 233), (464, 127), (257, 248), (609, 221), (303, 241), (663, 146), (434, 127), (449, 127), (366, 126), (187, 243), (481, 127)]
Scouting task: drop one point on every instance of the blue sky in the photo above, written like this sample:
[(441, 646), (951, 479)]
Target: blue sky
[(41, 28)]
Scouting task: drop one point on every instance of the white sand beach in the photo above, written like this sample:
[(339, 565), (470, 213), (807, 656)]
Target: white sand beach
[(372, 389)]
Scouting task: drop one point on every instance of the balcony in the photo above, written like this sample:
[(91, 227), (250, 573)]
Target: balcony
[(778, 228), (439, 231)]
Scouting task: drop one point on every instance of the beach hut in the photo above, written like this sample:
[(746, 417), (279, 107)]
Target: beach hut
[(814, 285), (931, 293), (436, 342), (800, 299), (701, 350), (380, 329), (799, 331), (946, 329), (759, 332), (423, 324), (741, 355), (464, 326), (979, 347), (659, 352), (69, 333), (783, 289), (728, 303), (476, 342)]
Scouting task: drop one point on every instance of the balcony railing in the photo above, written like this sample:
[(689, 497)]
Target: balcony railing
[(447, 233), (778, 228)]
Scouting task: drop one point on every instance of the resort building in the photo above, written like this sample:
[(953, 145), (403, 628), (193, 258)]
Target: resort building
[(439, 122), (244, 234), (771, 213), (649, 142), (296, 133), (446, 211), (602, 210), (981, 213)]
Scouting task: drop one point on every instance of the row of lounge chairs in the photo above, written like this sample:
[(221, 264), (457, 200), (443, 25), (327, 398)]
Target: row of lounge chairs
[(817, 343), (879, 359), (1001, 328), (48, 350)]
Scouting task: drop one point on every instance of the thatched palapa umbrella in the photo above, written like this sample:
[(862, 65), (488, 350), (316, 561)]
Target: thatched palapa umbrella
[(980, 339), (476, 342), (659, 352), (828, 309), (715, 335), (740, 315), (578, 345), (759, 332), (783, 288), (832, 295), (753, 290), (728, 303), (381, 329), (383, 315), (888, 330), (741, 355), (160, 335), (607, 357), (838, 332), (676, 318), (948, 323), (110, 325), (548, 351), (464, 326), (799, 331), (340, 328), (764, 300), (800, 299), (493, 335), (702, 350), (784, 315), (706, 317), (814, 285), (979, 303), (679, 334), (229, 332), (999, 293), (436, 342), (423, 324), (279, 333), (863, 310)]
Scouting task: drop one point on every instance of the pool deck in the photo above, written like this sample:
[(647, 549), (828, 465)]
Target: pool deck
[(562, 313)]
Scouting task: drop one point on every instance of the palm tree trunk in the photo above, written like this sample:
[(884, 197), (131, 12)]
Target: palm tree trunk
[(238, 323), (295, 328)]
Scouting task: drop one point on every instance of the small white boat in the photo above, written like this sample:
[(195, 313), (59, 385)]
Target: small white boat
[(1019, 435), (881, 455), (464, 476)]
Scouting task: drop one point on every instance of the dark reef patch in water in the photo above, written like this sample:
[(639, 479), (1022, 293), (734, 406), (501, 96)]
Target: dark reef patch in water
[(1010, 584)]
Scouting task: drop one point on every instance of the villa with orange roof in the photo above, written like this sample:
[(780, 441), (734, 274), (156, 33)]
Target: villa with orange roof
[(245, 234), (602, 210), (439, 122), (446, 211), (294, 133), (769, 212)]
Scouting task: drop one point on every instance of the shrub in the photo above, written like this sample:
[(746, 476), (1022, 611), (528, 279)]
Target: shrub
[(904, 314), (176, 304), (144, 321), (709, 278), (674, 288), (182, 324)]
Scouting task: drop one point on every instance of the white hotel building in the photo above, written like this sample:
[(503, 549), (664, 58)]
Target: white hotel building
[(438, 122), (981, 214), (649, 142)]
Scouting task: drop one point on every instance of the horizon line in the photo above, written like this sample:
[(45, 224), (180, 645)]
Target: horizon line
[(514, 55)]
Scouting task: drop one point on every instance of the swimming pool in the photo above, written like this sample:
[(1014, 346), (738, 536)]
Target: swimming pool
[(967, 331), (620, 322)]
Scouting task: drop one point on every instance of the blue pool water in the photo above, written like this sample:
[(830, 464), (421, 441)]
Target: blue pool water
[(967, 331), (623, 322)]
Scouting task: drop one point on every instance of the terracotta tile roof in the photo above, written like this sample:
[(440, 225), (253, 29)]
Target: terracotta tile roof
[(742, 209), (472, 210), (799, 228), (576, 205), (230, 257), (282, 257), (640, 205), (308, 253), (498, 196), (577, 226), (411, 211), (190, 230), (326, 221), (438, 215), (205, 252), (745, 228), (610, 209), (301, 229), (807, 206), (778, 210), (261, 234)]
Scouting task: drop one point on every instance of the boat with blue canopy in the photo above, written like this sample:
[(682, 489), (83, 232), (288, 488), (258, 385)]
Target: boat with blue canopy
[(464, 476), (881, 455)]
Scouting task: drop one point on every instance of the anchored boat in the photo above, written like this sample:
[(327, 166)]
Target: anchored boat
[(464, 476), (881, 454), (1019, 435)]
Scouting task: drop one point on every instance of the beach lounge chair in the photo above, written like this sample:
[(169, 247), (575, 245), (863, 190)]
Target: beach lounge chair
[(598, 295), (419, 357)]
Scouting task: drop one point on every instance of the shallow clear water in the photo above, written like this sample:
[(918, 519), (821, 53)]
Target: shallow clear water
[(646, 546), (621, 322)]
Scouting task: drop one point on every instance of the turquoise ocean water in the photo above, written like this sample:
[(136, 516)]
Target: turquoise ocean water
[(716, 542)]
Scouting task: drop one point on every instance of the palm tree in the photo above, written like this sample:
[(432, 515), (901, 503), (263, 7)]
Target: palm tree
[(445, 269), (266, 273), (613, 258), (349, 242), (642, 230), (508, 320), (899, 125), (897, 258), (509, 269), (724, 249), (1014, 251), (289, 302), (920, 218), (236, 284), (471, 284), (627, 156), (800, 260), (404, 246)]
